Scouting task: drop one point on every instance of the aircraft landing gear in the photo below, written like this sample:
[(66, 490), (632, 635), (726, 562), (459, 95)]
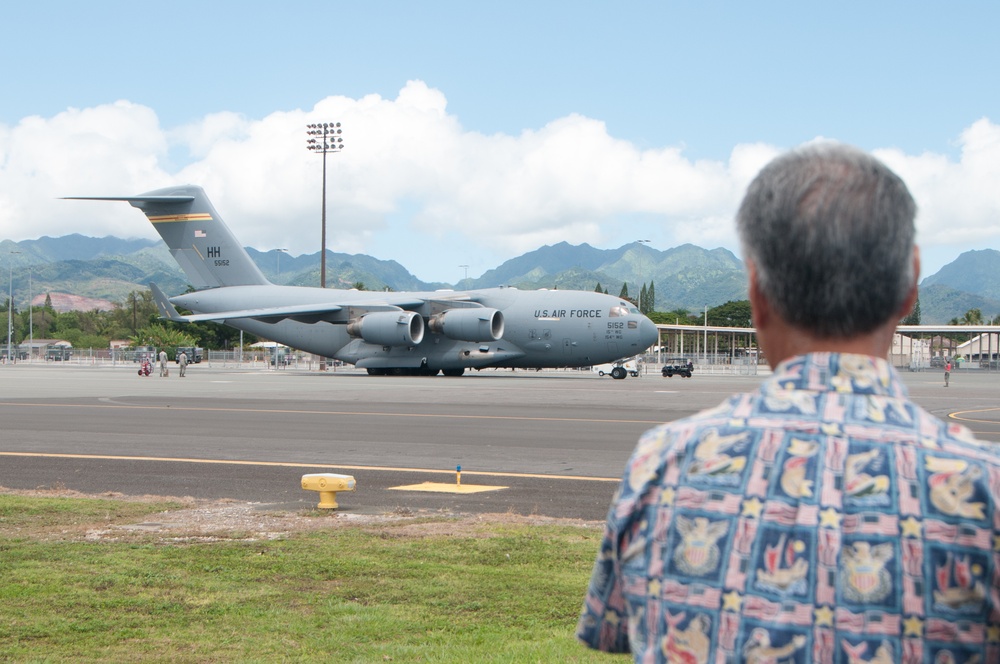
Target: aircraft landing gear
[(619, 373)]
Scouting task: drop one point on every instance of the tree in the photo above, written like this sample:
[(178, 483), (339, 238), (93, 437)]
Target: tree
[(624, 294), (971, 317), (731, 314), (651, 294), (598, 289), (162, 337), (46, 318), (674, 317), (138, 310), (643, 299), (913, 318)]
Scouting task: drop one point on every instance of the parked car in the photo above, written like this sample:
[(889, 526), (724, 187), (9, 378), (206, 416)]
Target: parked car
[(194, 353), (58, 353), (677, 365)]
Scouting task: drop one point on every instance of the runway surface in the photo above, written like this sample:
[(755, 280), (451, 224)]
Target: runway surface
[(557, 441)]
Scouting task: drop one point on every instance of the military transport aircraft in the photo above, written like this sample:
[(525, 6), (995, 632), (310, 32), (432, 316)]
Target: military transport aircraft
[(419, 333)]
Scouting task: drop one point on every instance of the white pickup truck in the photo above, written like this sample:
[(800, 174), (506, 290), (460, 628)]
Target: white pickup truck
[(618, 369)]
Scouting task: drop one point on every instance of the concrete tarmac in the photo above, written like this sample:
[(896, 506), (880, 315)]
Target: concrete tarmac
[(557, 440)]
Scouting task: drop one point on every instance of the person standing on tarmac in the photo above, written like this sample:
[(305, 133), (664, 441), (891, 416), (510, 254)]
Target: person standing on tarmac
[(182, 362), (163, 363)]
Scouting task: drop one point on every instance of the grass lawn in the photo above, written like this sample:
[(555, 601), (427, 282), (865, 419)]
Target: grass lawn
[(485, 592)]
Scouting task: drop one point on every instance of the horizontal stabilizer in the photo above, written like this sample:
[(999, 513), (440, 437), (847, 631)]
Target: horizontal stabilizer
[(166, 307), (163, 200)]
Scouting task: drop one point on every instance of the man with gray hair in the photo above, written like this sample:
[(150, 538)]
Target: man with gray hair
[(824, 517)]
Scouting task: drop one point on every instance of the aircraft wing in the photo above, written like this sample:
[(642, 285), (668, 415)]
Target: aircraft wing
[(305, 313), (169, 311)]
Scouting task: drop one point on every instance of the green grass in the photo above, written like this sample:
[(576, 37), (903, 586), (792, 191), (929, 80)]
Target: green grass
[(495, 593)]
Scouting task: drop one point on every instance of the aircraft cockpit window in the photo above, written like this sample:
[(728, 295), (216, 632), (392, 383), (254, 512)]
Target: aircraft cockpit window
[(633, 310), (618, 311)]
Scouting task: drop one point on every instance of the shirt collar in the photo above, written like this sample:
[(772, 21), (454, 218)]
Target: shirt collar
[(837, 372)]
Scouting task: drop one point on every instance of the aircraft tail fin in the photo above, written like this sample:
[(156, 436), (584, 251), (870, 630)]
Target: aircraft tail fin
[(198, 239)]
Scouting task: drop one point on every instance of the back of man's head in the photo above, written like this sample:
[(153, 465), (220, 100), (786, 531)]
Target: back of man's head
[(829, 230)]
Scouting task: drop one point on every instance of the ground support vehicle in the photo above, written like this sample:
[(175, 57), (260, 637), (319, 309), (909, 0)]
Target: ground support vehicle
[(618, 369), (680, 366)]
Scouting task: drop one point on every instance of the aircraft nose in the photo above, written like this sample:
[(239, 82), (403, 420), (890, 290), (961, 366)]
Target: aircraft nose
[(648, 334)]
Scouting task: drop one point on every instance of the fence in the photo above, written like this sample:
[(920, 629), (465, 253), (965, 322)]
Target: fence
[(248, 359)]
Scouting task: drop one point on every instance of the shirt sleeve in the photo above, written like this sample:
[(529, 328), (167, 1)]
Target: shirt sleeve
[(604, 622)]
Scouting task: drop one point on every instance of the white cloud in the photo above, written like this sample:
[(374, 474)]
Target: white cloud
[(110, 149), (413, 185), (959, 202)]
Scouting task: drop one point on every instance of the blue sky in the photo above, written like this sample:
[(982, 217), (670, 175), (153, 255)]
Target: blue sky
[(478, 131)]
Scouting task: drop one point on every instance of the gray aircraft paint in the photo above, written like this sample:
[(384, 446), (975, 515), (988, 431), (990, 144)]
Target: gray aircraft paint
[(382, 331)]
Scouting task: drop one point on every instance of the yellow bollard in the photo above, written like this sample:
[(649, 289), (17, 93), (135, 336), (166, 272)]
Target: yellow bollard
[(328, 485)]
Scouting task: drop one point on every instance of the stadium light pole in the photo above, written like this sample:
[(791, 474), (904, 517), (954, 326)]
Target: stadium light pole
[(466, 273), (324, 137)]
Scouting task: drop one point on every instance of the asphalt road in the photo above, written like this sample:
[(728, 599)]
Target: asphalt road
[(556, 440)]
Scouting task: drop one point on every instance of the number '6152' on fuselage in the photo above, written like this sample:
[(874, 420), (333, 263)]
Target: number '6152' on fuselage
[(384, 332)]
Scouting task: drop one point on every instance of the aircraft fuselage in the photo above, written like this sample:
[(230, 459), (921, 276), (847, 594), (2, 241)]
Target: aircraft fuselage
[(541, 328)]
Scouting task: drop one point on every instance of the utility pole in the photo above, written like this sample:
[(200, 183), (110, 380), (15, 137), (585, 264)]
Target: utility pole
[(10, 305)]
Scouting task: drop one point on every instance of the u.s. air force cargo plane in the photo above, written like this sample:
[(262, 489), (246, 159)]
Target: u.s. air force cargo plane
[(400, 333)]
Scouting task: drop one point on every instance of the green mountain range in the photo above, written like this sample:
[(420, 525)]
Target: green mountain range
[(685, 277)]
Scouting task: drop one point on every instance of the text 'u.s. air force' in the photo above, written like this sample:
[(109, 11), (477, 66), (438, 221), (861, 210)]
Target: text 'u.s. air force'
[(568, 313)]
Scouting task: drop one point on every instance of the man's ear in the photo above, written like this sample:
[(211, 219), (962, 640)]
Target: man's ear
[(760, 310), (911, 296)]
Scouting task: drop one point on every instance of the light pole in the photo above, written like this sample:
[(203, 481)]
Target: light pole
[(466, 271), (324, 137), (10, 305), (31, 322), (278, 259), (705, 340), (641, 277)]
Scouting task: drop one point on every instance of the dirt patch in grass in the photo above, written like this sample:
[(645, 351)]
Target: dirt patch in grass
[(186, 519)]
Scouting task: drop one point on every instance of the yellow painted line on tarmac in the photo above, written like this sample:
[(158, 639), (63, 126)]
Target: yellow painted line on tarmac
[(285, 464), (290, 411), (958, 415), (440, 487)]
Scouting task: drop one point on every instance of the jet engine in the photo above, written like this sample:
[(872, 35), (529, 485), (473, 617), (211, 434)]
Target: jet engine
[(389, 328), (471, 324)]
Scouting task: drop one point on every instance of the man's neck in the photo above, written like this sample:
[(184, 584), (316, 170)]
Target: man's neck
[(782, 341)]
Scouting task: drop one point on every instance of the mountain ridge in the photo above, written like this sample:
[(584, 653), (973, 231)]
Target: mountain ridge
[(685, 277)]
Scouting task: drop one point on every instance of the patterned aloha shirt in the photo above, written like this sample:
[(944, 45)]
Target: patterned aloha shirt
[(824, 518)]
